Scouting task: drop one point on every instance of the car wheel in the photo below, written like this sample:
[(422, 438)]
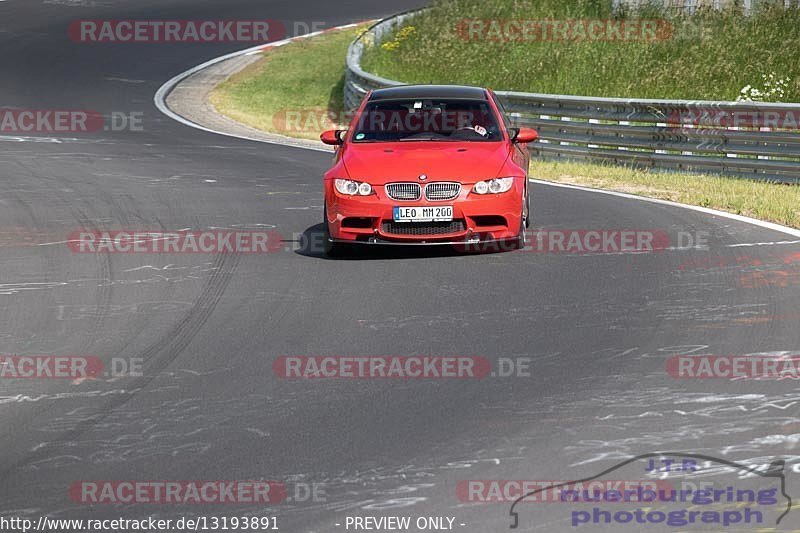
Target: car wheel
[(520, 241), (524, 223), (527, 208)]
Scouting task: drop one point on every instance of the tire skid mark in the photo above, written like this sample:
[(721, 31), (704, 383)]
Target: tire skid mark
[(103, 293), (157, 357)]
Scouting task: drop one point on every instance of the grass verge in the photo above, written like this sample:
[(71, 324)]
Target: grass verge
[(306, 77), (765, 201), (709, 56), (295, 90)]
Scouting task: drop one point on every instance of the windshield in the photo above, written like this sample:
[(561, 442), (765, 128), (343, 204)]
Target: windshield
[(427, 120)]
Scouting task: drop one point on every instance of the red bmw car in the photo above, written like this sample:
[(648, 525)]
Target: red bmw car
[(428, 164)]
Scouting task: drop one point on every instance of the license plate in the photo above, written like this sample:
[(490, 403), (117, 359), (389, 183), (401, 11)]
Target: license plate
[(443, 213)]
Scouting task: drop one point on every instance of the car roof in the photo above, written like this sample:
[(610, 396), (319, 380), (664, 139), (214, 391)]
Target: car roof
[(429, 91)]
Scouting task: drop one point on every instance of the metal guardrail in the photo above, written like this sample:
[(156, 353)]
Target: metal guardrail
[(752, 139)]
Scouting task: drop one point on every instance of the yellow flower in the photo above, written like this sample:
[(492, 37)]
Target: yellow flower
[(401, 36), (405, 33)]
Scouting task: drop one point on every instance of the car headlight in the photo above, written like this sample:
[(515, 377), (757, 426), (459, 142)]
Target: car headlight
[(365, 189), (495, 186), (353, 188)]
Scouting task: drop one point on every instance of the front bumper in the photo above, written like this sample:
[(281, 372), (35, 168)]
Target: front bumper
[(476, 218), (375, 241)]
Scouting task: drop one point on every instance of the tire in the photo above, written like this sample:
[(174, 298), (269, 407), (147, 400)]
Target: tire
[(524, 223), (527, 213), (521, 240)]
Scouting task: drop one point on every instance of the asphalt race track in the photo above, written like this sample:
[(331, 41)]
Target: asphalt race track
[(597, 328)]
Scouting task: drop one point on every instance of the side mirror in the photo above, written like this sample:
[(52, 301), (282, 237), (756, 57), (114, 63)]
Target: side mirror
[(524, 135), (332, 137)]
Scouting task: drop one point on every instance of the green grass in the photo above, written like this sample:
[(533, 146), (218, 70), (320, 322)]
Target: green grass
[(710, 56), (308, 75), (294, 89), (762, 200)]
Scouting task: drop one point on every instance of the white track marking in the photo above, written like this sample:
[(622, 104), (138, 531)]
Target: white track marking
[(160, 98), (773, 243)]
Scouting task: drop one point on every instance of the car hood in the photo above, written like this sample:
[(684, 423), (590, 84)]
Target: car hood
[(381, 163)]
